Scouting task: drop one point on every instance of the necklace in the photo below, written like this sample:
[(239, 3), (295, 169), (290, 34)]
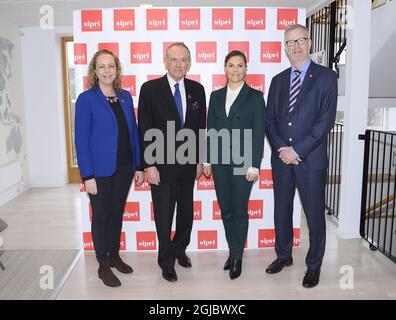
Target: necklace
[(112, 99)]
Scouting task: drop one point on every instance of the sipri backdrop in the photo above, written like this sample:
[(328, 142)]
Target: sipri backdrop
[(140, 37)]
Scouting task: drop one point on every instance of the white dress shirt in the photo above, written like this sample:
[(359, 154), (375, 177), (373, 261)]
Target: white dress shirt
[(182, 93), (230, 97)]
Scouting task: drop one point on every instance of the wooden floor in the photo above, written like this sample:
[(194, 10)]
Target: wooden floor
[(43, 219), (35, 274)]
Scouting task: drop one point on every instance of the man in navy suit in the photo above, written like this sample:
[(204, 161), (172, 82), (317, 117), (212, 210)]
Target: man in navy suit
[(302, 103)]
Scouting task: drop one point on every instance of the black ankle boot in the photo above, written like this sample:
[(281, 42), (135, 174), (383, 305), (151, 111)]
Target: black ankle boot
[(227, 265), (236, 268)]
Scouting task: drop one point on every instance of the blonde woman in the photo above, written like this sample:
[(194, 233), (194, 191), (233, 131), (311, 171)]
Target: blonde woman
[(108, 155)]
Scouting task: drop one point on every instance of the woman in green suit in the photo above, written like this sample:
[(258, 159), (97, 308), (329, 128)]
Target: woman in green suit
[(235, 107)]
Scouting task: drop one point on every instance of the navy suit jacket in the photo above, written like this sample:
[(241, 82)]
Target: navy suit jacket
[(307, 126), (96, 133)]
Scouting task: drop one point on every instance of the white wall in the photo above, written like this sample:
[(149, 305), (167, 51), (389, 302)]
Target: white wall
[(43, 95), (14, 174), (382, 52)]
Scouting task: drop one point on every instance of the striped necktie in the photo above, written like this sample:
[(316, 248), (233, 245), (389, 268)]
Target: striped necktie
[(294, 89)]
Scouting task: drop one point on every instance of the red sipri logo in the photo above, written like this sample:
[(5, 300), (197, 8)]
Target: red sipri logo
[(86, 84), (189, 19), (131, 211), (123, 241), (197, 210), (286, 17), (91, 20), (87, 241), (151, 211), (82, 185), (80, 53), (255, 19), (124, 19), (218, 81), (157, 19), (195, 77), (154, 76), (206, 52), (296, 237), (242, 46), (112, 46), (256, 209), (140, 52), (129, 84), (205, 184), (256, 81), (266, 179), (207, 239), (266, 238), (216, 210), (271, 52), (90, 211), (89, 246), (146, 240), (144, 187), (222, 19)]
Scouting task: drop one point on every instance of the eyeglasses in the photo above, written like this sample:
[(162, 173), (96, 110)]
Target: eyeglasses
[(292, 43)]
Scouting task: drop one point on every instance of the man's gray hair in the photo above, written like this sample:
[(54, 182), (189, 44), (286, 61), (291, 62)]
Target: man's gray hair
[(297, 27), (178, 44)]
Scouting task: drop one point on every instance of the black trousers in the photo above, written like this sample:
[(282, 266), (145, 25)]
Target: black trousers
[(107, 210), (233, 193), (165, 197), (311, 185)]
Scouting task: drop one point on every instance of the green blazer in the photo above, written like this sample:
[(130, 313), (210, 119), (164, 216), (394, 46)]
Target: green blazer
[(247, 112)]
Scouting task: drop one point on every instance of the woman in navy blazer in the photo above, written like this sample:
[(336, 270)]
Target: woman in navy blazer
[(108, 156)]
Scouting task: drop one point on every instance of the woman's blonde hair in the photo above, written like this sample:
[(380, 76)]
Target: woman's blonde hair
[(93, 79)]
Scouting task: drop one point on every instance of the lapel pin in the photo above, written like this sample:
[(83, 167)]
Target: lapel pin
[(189, 97), (310, 75)]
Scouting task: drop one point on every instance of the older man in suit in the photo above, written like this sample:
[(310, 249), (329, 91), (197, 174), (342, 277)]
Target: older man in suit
[(164, 102), (302, 103)]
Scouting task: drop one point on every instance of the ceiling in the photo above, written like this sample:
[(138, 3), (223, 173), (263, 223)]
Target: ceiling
[(27, 12)]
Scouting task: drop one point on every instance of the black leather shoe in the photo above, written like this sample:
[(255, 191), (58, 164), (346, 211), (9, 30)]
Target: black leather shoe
[(184, 261), (121, 266), (311, 278), (277, 266), (107, 276), (227, 265), (236, 268), (169, 274)]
